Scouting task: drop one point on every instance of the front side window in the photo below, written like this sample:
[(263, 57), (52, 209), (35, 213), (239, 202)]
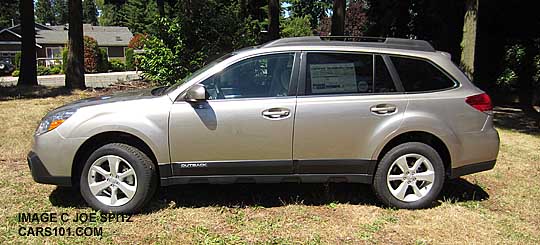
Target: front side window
[(419, 75), (257, 77), (339, 73)]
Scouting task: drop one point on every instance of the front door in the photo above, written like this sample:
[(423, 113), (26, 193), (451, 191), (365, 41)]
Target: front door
[(244, 128)]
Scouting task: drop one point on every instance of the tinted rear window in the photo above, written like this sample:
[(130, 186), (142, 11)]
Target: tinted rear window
[(419, 75)]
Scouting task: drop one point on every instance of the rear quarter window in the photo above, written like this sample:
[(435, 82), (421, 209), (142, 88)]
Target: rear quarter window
[(418, 75)]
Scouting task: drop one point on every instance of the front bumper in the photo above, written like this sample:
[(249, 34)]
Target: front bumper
[(41, 175)]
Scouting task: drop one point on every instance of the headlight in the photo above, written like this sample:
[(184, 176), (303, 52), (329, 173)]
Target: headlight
[(53, 121)]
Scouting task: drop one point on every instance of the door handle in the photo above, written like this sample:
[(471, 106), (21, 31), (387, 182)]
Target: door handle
[(276, 113), (383, 109)]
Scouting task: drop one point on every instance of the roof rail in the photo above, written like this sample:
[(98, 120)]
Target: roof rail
[(355, 41)]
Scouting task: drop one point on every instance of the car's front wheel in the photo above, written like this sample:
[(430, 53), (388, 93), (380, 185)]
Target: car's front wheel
[(410, 175), (118, 178)]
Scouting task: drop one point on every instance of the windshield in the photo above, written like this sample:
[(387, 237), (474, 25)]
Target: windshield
[(198, 72)]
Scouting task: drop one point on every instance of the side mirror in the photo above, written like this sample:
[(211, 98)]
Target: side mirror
[(196, 93)]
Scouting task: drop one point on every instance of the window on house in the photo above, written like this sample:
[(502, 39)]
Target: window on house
[(54, 52)]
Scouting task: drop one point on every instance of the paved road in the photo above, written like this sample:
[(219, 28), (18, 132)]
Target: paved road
[(96, 80)]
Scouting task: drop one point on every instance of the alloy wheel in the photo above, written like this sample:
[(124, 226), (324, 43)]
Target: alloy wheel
[(112, 180), (410, 177)]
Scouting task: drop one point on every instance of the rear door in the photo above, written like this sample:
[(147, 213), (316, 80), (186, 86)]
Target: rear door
[(245, 127), (345, 100)]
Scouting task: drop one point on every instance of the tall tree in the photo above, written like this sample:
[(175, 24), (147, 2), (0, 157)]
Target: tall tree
[(61, 12), (90, 12), (140, 14), (44, 12), (161, 7), (315, 9), (389, 18), (112, 15), (9, 14), (75, 59), (273, 19), (338, 18), (469, 37), (28, 72)]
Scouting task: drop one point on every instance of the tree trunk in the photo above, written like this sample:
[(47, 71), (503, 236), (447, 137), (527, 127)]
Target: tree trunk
[(28, 72), (525, 81), (273, 18), (243, 8), (338, 18), (468, 53), (161, 7), (75, 59)]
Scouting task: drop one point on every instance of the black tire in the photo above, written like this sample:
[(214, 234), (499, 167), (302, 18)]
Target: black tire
[(144, 169), (380, 185)]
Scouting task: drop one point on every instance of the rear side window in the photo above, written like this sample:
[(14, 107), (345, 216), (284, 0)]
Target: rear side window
[(419, 75), (339, 73)]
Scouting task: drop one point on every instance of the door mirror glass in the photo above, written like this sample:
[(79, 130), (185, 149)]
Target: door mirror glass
[(196, 93)]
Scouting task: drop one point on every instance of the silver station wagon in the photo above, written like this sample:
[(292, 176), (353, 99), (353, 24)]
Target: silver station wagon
[(393, 113)]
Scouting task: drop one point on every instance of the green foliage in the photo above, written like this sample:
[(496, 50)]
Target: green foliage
[(60, 9), (296, 27), (140, 14), (185, 43), (164, 60), (103, 61), (517, 65), (112, 15), (536, 75), (130, 59), (513, 59), (117, 65), (90, 12), (314, 9), (64, 59), (15, 73), (18, 60), (10, 11), (43, 70), (57, 69), (44, 12)]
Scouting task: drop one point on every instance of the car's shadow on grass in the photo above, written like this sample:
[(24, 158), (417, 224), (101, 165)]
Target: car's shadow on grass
[(270, 195)]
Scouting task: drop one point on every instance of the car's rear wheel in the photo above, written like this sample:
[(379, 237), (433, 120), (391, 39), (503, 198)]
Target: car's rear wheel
[(410, 175), (118, 178)]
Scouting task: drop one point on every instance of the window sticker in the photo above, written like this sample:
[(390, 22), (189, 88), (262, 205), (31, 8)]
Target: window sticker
[(333, 78)]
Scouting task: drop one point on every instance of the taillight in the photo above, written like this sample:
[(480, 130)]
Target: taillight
[(481, 102)]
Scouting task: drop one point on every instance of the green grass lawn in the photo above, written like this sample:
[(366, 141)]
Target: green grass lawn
[(498, 206)]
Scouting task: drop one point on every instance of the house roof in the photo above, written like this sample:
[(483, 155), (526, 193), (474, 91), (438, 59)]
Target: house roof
[(104, 35)]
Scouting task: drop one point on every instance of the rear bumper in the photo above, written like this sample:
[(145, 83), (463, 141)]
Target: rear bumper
[(40, 173), (472, 168)]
